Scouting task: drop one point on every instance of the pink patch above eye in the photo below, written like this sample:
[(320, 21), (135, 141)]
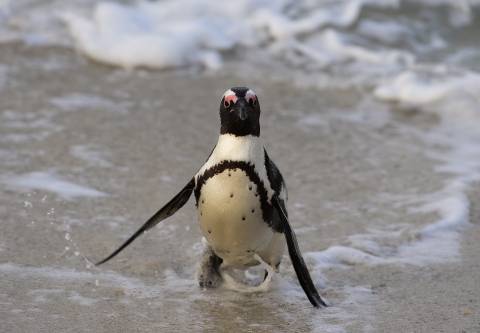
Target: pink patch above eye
[(230, 99), (251, 98)]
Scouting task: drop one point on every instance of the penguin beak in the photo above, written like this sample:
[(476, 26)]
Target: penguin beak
[(241, 110)]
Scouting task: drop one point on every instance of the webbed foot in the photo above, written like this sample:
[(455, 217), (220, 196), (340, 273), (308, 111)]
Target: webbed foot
[(209, 270)]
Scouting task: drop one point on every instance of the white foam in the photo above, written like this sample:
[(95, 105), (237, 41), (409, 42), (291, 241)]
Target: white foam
[(453, 96), (161, 35), (35, 23), (453, 209), (464, 161), (435, 242), (333, 47), (166, 34), (341, 255), (177, 33), (384, 31), (51, 183), (438, 241), (185, 32), (430, 86)]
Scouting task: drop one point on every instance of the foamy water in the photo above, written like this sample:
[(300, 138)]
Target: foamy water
[(391, 34), (47, 181)]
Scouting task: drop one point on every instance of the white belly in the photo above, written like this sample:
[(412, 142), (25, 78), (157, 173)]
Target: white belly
[(231, 220)]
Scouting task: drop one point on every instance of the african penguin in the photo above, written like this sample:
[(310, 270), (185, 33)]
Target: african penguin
[(240, 198)]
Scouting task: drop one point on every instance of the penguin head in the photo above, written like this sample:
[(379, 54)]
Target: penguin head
[(240, 112)]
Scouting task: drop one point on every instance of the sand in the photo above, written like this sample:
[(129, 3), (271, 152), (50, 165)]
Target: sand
[(137, 137)]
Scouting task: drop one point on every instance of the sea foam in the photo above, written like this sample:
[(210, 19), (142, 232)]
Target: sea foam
[(51, 183), (161, 35), (180, 33)]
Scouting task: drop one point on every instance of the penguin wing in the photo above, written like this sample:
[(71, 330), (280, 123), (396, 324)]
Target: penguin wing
[(296, 257), (279, 188), (169, 209), (275, 177)]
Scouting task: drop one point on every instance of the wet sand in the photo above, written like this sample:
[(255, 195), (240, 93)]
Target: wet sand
[(138, 137), (434, 298)]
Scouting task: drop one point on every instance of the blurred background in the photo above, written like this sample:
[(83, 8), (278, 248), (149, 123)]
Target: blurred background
[(370, 108)]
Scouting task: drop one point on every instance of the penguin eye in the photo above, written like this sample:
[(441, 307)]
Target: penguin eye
[(229, 100), (252, 99)]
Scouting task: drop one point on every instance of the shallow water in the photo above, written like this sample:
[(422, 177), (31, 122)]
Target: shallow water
[(378, 169)]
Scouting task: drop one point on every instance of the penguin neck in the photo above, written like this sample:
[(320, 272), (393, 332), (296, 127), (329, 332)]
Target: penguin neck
[(247, 148)]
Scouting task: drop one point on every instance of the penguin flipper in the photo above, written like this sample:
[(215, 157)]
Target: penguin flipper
[(168, 210), (296, 257)]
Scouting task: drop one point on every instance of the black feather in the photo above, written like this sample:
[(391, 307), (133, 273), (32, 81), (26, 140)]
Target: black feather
[(168, 210), (296, 257)]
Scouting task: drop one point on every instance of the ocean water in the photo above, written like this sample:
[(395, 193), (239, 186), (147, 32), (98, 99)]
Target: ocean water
[(371, 109)]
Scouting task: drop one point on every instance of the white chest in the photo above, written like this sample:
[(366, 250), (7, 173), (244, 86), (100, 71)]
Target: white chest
[(247, 149), (230, 216)]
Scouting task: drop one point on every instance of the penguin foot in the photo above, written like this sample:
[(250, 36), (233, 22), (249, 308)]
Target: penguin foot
[(208, 273), (232, 284), (208, 278)]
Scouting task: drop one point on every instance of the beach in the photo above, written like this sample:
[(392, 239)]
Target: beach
[(383, 196)]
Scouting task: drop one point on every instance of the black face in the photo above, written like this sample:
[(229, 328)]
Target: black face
[(240, 112)]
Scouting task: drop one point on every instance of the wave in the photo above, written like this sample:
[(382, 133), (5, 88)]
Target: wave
[(167, 34)]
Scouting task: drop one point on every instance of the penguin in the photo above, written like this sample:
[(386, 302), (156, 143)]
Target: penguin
[(240, 197)]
